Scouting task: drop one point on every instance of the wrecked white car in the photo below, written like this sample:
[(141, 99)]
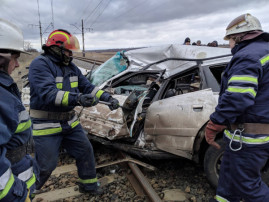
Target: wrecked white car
[(167, 95)]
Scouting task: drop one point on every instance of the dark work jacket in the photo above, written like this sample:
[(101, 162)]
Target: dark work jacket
[(244, 94), (15, 128), (50, 80)]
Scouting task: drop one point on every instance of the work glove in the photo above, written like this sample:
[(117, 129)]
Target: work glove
[(211, 131), (114, 103), (87, 100)]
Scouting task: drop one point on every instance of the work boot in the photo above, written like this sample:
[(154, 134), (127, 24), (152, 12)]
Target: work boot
[(97, 191)]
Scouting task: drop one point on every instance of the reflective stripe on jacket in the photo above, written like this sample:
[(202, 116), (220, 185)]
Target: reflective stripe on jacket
[(6, 182)]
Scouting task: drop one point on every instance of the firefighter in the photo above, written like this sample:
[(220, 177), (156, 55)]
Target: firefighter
[(18, 170), (56, 87), (243, 112)]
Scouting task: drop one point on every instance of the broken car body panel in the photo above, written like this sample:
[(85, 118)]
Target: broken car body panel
[(99, 120)]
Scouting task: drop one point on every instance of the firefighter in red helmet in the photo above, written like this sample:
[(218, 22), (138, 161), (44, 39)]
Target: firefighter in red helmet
[(56, 87)]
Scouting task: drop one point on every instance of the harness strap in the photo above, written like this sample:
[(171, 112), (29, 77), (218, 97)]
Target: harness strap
[(253, 128), (39, 114)]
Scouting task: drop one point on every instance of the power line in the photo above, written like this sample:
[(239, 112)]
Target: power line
[(86, 8), (91, 13), (100, 13), (126, 12), (50, 25), (145, 13), (93, 10)]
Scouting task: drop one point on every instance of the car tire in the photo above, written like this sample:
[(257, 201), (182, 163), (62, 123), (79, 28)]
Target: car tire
[(212, 163)]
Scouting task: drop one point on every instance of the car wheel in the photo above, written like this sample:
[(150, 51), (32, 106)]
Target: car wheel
[(212, 162)]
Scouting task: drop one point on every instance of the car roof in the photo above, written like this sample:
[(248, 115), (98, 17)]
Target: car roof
[(175, 57)]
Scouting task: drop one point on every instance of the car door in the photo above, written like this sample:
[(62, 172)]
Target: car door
[(173, 123)]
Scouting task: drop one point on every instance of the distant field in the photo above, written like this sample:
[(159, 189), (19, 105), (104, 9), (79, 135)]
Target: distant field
[(25, 61), (103, 56)]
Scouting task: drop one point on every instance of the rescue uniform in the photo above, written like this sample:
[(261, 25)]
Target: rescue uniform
[(243, 105), (54, 90), (18, 171)]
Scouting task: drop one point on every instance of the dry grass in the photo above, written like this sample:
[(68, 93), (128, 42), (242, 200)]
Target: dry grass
[(102, 56), (24, 61)]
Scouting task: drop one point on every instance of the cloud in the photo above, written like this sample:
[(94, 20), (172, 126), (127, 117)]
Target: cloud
[(121, 23)]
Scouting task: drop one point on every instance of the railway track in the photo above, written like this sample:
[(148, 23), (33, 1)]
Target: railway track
[(69, 191), (173, 180), (89, 60)]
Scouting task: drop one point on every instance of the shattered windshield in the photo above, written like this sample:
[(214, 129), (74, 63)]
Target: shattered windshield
[(110, 68)]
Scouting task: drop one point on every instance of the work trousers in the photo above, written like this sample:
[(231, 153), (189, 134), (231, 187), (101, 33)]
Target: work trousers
[(240, 176), (76, 143)]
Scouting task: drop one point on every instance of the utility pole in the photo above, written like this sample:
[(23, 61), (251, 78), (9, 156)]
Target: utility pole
[(82, 32), (40, 27), (83, 50), (52, 20)]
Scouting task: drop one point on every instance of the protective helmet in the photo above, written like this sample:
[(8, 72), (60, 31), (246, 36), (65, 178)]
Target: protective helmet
[(11, 38), (63, 39), (243, 23)]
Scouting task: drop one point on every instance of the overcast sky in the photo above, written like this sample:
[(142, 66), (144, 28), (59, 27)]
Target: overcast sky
[(131, 23)]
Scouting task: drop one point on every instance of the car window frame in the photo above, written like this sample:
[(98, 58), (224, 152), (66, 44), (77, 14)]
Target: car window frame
[(130, 75)]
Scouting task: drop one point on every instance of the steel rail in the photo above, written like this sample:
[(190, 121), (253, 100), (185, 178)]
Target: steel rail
[(154, 197), (147, 188), (97, 62)]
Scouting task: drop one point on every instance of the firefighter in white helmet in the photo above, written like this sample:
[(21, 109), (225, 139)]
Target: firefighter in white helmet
[(18, 170), (243, 112)]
